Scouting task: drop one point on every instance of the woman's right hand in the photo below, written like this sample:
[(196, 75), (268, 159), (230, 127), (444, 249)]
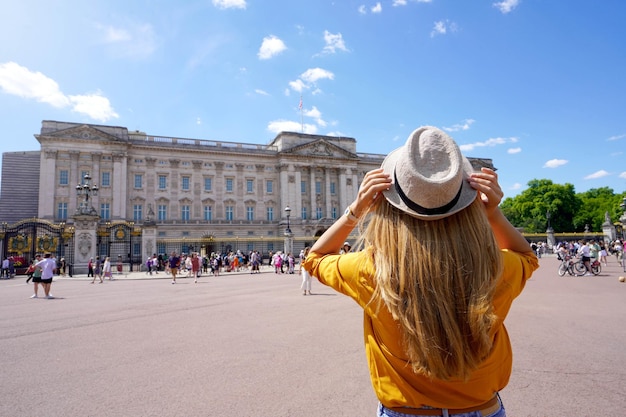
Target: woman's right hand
[(370, 191)]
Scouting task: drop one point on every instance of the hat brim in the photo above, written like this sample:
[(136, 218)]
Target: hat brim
[(467, 196)]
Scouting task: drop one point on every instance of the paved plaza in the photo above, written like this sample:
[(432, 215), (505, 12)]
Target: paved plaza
[(252, 346)]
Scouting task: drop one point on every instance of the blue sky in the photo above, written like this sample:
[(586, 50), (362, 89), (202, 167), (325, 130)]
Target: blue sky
[(538, 86)]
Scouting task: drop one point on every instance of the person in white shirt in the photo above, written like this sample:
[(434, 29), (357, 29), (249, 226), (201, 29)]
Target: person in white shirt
[(47, 266), (585, 253)]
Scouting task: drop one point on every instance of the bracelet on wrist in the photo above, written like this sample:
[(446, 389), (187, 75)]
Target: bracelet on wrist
[(350, 215)]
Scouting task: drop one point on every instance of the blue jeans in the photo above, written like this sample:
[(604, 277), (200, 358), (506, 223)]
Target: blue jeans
[(385, 412)]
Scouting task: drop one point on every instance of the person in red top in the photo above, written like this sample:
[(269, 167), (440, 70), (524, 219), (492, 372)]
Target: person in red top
[(437, 271), (195, 267)]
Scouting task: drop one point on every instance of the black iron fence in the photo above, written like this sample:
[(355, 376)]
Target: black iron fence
[(23, 240)]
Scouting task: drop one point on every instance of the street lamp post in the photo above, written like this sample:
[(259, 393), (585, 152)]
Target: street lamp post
[(288, 234), (622, 219), (550, 241), (288, 213), (85, 191)]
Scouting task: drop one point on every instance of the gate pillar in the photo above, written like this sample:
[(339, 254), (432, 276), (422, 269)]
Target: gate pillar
[(85, 240), (148, 236)]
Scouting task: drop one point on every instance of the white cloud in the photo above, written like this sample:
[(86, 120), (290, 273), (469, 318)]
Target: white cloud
[(198, 121), (333, 42), (598, 174), (465, 125), (317, 115), (278, 126), (261, 92), (622, 175), (404, 2), (442, 27), (270, 47), (516, 186), (135, 41), (308, 79), (514, 150), (378, 8), (230, 4), (313, 74), (297, 85), (22, 82), (555, 163), (93, 105), (362, 9), (617, 137), (488, 143), (506, 6)]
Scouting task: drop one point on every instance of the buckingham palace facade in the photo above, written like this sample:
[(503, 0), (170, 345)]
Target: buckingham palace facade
[(195, 194)]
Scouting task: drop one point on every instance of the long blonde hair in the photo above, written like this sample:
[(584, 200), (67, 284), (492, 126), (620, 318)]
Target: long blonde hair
[(437, 278)]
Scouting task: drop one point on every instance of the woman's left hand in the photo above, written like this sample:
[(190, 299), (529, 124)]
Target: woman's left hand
[(486, 182)]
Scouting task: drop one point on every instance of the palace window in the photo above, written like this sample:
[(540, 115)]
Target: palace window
[(162, 212), (105, 211), (137, 212), (185, 212), (64, 177), (208, 213), (162, 182), (62, 211)]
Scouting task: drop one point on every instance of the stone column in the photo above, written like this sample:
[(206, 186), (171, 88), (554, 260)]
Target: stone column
[(343, 197), (297, 208), (174, 186), (75, 179), (327, 197), (118, 210), (220, 211), (85, 241), (47, 184), (314, 200), (240, 192), (96, 178)]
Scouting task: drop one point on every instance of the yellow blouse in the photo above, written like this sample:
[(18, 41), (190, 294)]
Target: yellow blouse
[(395, 383)]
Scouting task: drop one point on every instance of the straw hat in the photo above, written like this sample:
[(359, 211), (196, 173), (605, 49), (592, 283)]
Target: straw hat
[(429, 175)]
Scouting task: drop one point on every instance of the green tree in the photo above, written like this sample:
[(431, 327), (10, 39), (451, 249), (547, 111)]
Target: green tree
[(595, 203), (529, 209)]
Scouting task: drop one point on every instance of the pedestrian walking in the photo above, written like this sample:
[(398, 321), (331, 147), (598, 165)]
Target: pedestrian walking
[(47, 266)]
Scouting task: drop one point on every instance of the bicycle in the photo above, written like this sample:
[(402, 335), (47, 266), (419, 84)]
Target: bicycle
[(576, 267), (566, 266)]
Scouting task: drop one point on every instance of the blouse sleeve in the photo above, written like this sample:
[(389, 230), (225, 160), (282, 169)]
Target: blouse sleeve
[(350, 274)]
